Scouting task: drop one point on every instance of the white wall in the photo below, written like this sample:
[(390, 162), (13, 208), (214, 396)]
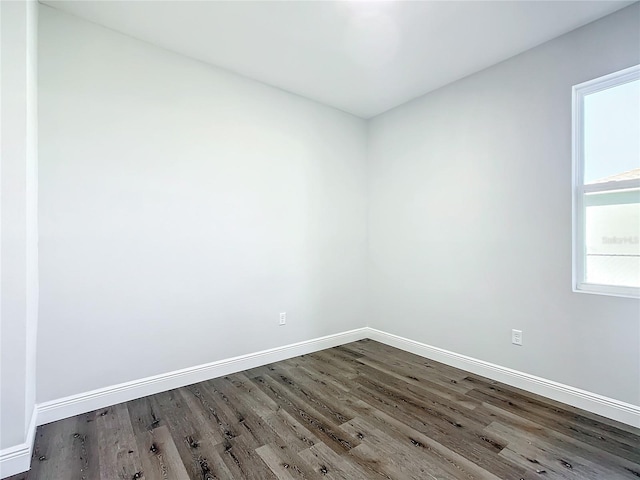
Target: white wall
[(18, 219), (470, 218), (181, 209)]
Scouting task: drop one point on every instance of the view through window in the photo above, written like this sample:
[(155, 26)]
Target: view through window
[(607, 190)]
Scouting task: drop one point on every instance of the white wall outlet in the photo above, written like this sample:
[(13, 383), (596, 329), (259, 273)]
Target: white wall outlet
[(516, 337), (283, 318)]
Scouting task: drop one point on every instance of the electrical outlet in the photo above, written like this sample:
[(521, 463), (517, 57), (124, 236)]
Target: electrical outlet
[(283, 318), (516, 337)]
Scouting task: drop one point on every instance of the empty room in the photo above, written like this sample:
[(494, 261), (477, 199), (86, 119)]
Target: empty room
[(347, 239)]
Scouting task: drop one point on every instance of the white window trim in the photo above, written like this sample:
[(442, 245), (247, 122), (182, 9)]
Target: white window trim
[(579, 189)]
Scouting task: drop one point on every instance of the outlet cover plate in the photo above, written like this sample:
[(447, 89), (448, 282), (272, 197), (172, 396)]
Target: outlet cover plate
[(516, 337)]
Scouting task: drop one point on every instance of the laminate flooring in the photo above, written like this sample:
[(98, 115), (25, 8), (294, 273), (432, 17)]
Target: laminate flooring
[(360, 411)]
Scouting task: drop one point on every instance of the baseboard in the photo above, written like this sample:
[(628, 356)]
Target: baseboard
[(591, 402), (17, 459), (104, 397)]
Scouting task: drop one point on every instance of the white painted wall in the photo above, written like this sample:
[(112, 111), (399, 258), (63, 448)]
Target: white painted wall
[(470, 218), (18, 219), (181, 209)]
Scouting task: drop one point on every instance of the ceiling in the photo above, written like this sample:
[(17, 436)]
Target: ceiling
[(363, 57)]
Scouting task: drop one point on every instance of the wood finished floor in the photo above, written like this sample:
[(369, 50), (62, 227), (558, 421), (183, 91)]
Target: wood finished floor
[(363, 410)]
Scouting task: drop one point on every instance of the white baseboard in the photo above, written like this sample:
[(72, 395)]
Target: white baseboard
[(104, 397), (17, 459), (591, 402)]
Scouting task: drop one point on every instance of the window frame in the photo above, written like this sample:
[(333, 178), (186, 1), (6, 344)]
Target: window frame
[(580, 190)]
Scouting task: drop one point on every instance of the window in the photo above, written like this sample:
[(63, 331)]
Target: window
[(606, 184)]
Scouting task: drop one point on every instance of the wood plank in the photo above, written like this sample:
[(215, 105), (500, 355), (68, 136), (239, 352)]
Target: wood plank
[(331, 465), (243, 461), (322, 427), (194, 435), (263, 425), (117, 448), (285, 463), (157, 450), (560, 421)]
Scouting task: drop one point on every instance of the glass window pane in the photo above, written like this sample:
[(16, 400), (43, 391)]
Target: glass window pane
[(611, 126), (612, 234)]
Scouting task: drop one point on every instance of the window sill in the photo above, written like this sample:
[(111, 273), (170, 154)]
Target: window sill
[(609, 290)]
